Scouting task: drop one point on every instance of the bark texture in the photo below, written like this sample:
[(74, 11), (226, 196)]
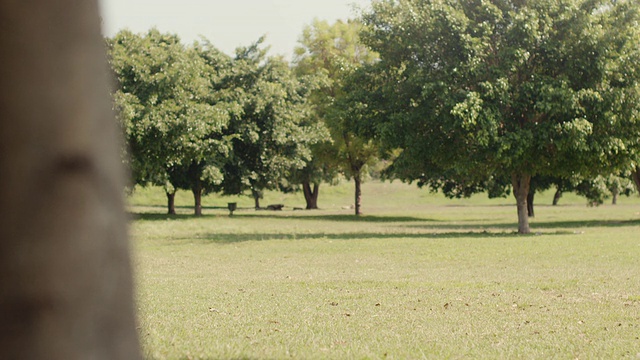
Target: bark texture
[(358, 194), (530, 197), (557, 196), (65, 276), (197, 198), (311, 195), (256, 198), (171, 203), (521, 184)]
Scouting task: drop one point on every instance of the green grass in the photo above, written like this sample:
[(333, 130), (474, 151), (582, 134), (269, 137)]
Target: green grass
[(419, 276)]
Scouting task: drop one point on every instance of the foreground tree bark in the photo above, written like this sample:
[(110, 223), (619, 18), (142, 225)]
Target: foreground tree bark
[(65, 276), (521, 183)]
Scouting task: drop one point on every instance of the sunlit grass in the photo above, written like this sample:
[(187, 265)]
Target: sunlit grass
[(418, 276)]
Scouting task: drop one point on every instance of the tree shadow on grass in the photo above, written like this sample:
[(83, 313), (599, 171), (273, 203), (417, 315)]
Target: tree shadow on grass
[(230, 238), (585, 223), (162, 209), (340, 218), (544, 225), (417, 223), (280, 216), (158, 217), (432, 224)]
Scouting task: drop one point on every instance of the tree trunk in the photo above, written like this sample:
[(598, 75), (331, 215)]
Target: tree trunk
[(256, 198), (530, 197), (311, 195), (66, 289), (557, 196), (171, 203), (636, 177), (197, 198), (615, 194), (358, 194), (521, 183)]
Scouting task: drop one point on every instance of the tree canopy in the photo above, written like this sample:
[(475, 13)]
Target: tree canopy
[(199, 120), (472, 90), (171, 117), (462, 96), (334, 52), (271, 135)]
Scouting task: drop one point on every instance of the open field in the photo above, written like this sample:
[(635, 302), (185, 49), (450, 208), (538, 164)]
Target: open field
[(418, 276)]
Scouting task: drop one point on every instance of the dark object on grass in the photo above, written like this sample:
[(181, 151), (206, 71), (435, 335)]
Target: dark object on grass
[(232, 207)]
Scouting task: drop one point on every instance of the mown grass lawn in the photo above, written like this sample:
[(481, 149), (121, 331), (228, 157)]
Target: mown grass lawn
[(418, 276)]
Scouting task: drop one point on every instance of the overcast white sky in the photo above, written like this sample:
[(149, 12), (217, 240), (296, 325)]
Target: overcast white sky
[(226, 23)]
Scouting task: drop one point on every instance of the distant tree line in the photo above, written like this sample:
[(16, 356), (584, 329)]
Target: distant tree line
[(198, 120), (462, 96)]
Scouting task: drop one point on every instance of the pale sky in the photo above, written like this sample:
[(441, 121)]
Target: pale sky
[(226, 23)]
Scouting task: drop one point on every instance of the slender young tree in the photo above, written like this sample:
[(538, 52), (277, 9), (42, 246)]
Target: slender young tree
[(334, 52)]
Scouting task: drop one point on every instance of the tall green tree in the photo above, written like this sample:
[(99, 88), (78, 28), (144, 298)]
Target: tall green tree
[(270, 135), (334, 52), (510, 88), (171, 115)]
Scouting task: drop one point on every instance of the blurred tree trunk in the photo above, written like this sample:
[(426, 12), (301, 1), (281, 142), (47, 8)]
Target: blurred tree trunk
[(65, 275), (636, 177)]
